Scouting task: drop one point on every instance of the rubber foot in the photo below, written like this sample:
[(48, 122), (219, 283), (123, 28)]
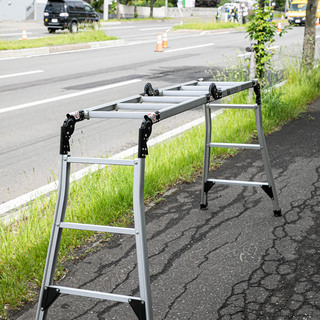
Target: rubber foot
[(203, 206), (277, 213)]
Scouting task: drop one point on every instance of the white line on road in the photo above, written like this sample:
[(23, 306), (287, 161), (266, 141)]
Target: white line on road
[(190, 48), (20, 74), (244, 54), (157, 28), (67, 96), (113, 28), (12, 34)]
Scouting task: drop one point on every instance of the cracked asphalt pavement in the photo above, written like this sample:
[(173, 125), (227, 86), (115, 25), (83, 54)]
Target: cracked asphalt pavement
[(235, 260)]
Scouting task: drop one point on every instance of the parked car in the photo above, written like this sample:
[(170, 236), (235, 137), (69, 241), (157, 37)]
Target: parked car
[(68, 14)]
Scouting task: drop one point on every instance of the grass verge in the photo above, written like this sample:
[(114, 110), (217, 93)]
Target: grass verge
[(208, 26), (56, 40), (108, 192)]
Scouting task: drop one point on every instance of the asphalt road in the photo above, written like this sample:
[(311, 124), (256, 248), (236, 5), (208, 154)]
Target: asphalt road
[(233, 261), (38, 90)]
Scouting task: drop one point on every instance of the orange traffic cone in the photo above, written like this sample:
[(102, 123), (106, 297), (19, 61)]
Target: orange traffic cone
[(24, 34), (165, 40), (279, 27), (317, 22), (282, 18), (159, 47)]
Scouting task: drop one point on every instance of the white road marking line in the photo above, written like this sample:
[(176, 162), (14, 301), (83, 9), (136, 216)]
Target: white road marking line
[(189, 48), (12, 34), (20, 74), (109, 28), (157, 28), (244, 54), (24, 199), (67, 96)]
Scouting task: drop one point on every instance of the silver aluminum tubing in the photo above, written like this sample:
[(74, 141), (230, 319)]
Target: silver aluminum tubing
[(233, 106), (116, 115), (142, 106), (55, 236), (236, 88), (190, 104), (164, 99), (184, 93), (195, 88), (97, 228), (177, 87), (141, 236), (94, 294), (112, 105), (219, 83), (106, 162), (238, 182), (235, 145)]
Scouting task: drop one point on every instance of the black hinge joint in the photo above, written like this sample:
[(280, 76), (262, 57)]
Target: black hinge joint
[(67, 129), (144, 134), (268, 190), (257, 91), (139, 308), (49, 297), (149, 91), (215, 92)]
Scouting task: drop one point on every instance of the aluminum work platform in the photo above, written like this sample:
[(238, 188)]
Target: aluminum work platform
[(151, 107)]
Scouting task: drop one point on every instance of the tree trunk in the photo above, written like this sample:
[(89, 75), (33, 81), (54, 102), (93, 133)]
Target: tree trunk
[(118, 10), (151, 8), (309, 39)]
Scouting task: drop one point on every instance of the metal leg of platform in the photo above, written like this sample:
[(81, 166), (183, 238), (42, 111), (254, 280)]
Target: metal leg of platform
[(207, 184), (266, 161), (141, 236), (55, 238), (206, 158)]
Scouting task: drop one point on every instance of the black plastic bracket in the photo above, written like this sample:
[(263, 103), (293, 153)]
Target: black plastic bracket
[(49, 297), (67, 129), (257, 91), (149, 91), (204, 206), (208, 185), (144, 134), (277, 213), (139, 308), (215, 92), (268, 190)]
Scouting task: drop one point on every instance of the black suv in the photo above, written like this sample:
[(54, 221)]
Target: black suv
[(68, 14)]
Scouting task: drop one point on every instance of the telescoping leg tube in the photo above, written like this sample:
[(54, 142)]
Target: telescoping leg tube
[(206, 160), (271, 188), (48, 295), (142, 308)]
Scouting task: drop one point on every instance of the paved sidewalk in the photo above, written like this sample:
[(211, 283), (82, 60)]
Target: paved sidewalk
[(233, 261)]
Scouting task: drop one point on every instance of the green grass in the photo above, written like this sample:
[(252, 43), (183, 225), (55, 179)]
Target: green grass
[(207, 26), (105, 197), (55, 40)]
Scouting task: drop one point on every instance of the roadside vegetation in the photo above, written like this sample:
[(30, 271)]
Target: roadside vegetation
[(56, 40), (95, 199), (211, 25)]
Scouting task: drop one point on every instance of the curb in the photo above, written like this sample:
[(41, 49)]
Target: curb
[(55, 49)]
